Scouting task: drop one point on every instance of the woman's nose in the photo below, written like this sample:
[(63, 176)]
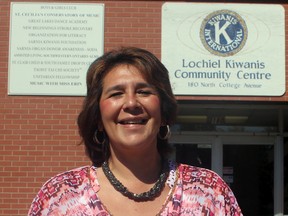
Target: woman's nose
[(131, 102)]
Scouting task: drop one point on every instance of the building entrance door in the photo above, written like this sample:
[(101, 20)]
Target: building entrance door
[(248, 169)]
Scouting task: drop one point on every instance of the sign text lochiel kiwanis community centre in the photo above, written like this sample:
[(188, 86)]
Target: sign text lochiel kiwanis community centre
[(224, 49)]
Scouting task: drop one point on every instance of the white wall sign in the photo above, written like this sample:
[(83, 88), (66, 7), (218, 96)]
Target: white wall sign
[(52, 46), (224, 49)]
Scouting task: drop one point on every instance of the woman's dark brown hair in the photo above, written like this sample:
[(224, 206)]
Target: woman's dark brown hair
[(154, 72)]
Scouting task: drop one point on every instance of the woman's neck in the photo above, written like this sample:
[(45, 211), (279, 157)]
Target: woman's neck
[(144, 167)]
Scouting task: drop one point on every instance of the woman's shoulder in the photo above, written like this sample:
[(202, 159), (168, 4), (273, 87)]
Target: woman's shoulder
[(69, 180), (203, 189), (71, 177), (199, 175), (58, 189)]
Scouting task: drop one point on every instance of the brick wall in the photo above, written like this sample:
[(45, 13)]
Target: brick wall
[(38, 134)]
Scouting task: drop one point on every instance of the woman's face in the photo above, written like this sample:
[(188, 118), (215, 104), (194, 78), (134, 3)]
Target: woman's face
[(130, 109)]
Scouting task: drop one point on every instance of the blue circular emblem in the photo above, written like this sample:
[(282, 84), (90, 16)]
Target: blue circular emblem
[(223, 33)]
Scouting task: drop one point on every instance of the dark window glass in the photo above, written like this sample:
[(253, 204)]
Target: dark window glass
[(249, 171)]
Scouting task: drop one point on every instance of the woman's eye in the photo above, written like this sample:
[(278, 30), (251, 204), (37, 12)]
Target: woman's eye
[(144, 92), (115, 94)]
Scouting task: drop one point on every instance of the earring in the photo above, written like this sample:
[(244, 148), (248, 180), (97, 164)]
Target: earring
[(168, 132), (101, 135)]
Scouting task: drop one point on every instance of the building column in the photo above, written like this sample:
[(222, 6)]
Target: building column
[(217, 156), (279, 176)]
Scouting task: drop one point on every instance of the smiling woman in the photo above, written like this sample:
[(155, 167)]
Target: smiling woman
[(150, 77), (124, 125)]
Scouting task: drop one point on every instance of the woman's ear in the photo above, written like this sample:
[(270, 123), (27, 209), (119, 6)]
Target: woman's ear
[(163, 122)]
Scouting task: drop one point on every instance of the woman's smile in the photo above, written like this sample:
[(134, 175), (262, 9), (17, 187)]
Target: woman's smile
[(133, 121)]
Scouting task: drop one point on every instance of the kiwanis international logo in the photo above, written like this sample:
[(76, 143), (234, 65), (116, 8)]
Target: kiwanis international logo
[(223, 33)]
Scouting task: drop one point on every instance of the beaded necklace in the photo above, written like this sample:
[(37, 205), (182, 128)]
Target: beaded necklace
[(145, 196)]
